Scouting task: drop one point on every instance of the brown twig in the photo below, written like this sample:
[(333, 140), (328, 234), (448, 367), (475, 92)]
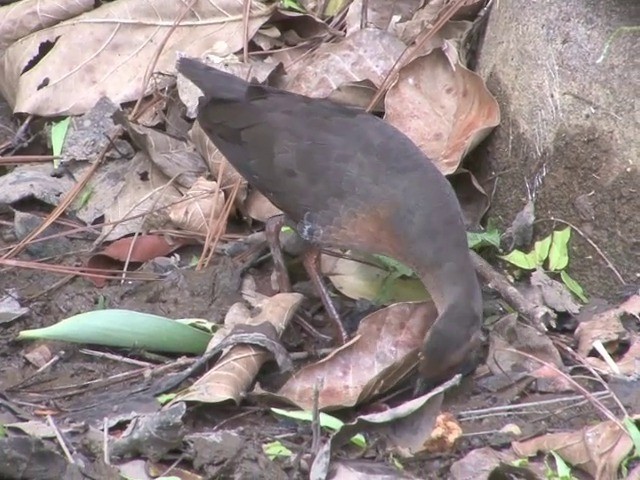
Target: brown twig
[(538, 315)]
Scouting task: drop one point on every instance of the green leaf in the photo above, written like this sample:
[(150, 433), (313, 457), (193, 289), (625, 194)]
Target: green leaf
[(634, 433), (292, 5), (125, 329), (559, 253), (166, 398), (58, 135), (574, 286), (326, 421), (525, 261), (394, 266), (275, 450), (488, 238), (563, 471), (541, 249)]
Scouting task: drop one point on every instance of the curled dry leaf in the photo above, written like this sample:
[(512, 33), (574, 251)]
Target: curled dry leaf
[(597, 450), (381, 355), (366, 55), (474, 201), (605, 327), (235, 370), (446, 111), (628, 364), (202, 204), (103, 52)]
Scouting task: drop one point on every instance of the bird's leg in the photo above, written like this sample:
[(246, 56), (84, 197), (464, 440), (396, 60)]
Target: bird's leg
[(272, 232), (310, 261)]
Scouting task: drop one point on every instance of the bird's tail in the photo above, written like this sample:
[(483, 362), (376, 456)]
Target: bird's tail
[(215, 84)]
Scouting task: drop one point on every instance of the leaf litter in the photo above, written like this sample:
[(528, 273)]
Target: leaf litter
[(166, 186)]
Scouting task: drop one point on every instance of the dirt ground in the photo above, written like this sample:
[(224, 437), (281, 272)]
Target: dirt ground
[(81, 389)]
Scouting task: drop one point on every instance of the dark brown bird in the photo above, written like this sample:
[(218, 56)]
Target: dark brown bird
[(346, 179)]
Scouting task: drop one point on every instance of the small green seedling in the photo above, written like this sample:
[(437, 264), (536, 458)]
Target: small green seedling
[(634, 433), (292, 5), (489, 238), (562, 471), (554, 250), (166, 398), (58, 134), (275, 450), (326, 421)]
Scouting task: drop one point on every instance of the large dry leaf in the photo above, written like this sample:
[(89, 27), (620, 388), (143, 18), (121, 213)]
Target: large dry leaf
[(64, 69), (19, 19), (381, 355), (366, 55), (446, 111), (597, 450)]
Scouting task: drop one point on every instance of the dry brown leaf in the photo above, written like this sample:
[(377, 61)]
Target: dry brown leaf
[(381, 14), (20, 19), (485, 462), (217, 162), (104, 52), (358, 280), (258, 207), (366, 55), (175, 158), (381, 355), (605, 327), (141, 202), (628, 364), (597, 450), (202, 204), (509, 334), (445, 111), (234, 372), (474, 201)]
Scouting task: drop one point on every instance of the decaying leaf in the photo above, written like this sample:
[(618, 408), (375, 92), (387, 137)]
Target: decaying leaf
[(202, 204), (140, 201), (382, 354), (446, 111), (409, 428), (605, 327), (597, 450), (51, 73), (221, 170), (366, 55)]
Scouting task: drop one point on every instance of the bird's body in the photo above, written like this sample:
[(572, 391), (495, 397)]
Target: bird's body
[(346, 179)]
